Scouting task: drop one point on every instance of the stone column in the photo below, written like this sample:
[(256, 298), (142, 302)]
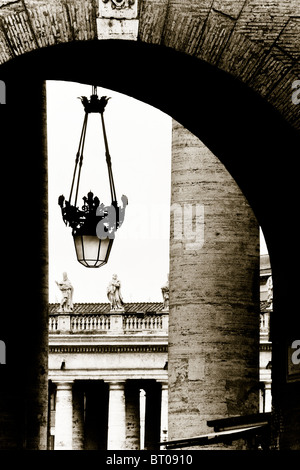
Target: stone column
[(214, 293), (152, 414), (78, 417), (164, 413), (63, 416), (116, 416), (24, 377), (132, 399), (268, 397), (142, 418)]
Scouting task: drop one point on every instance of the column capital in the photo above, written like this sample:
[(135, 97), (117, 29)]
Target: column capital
[(64, 384), (116, 384), (164, 384)]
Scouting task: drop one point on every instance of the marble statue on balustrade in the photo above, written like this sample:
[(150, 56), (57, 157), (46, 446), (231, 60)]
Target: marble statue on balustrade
[(165, 294), (270, 293), (66, 288), (114, 294)]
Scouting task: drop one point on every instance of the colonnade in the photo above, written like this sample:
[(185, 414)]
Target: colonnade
[(108, 414)]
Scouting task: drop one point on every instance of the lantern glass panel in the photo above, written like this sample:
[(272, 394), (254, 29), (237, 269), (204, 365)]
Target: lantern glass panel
[(90, 247), (78, 247), (91, 251), (104, 248)]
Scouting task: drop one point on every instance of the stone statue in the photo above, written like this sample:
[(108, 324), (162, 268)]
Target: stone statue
[(270, 290), (114, 294), (165, 294), (66, 288)]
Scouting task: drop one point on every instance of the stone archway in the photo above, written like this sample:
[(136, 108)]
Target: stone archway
[(254, 41)]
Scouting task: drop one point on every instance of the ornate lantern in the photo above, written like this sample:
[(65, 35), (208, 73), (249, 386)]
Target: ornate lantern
[(93, 224)]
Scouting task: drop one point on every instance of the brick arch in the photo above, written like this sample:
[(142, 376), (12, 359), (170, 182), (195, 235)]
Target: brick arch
[(254, 40)]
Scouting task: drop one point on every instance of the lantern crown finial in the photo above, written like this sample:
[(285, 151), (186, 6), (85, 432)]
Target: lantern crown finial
[(94, 104), (88, 218)]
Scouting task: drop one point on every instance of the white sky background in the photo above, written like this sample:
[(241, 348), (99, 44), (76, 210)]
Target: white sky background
[(139, 138)]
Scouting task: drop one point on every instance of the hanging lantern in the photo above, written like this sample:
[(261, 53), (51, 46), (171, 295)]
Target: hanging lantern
[(93, 224)]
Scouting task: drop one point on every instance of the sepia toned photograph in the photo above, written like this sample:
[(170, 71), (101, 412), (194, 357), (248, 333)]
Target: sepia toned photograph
[(150, 187)]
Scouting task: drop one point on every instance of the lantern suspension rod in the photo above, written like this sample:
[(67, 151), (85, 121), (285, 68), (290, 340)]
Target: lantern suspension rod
[(79, 158), (108, 161), (94, 105)]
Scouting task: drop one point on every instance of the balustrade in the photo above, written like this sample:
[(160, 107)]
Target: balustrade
[(265, 324), (53, 324), (90, 322), (133, 322), (103, 323)]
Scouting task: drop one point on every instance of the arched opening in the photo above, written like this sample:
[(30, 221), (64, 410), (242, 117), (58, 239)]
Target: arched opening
[(139, 139), (219, 110)]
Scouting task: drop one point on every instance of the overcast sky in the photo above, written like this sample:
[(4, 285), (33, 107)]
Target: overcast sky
[(139, 138)]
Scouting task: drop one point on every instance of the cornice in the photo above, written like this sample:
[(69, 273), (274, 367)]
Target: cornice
[(93, 349)]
